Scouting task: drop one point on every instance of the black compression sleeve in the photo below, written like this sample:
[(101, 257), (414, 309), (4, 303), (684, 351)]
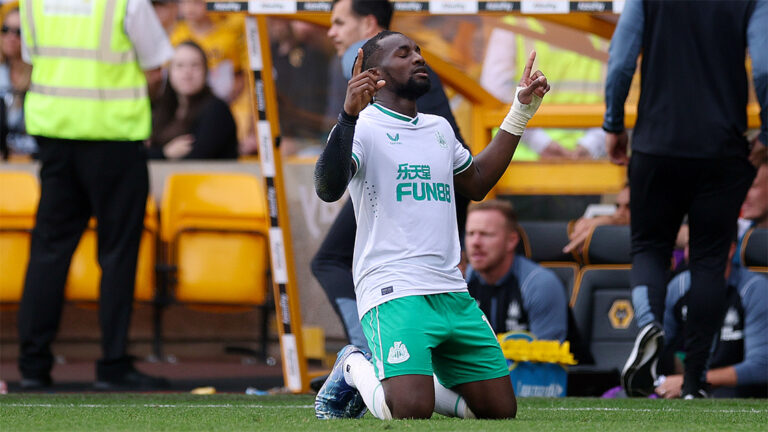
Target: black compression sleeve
[(334, 168)]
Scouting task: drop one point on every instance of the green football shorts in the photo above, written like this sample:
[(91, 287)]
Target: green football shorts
[(446, 334)]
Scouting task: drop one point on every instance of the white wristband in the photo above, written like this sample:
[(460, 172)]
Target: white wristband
[(519, 114)]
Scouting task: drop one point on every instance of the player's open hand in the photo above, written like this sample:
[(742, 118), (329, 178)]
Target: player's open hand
[(533, 83), (361, 88)]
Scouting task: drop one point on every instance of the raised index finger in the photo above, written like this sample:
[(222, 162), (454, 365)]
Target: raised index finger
[(358, 63), (528, 67)]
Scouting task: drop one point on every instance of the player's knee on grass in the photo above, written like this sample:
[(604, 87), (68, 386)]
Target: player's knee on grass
[(409, 407), (498, 409), (410, 396), (490, 399)]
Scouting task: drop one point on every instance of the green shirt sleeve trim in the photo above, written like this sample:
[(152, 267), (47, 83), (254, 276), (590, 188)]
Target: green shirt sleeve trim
[(464, 167), (357, 161)]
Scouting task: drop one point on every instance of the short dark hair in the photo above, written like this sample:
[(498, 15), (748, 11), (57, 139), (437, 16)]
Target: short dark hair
[(371, 49), (503, 206), (380, 9)]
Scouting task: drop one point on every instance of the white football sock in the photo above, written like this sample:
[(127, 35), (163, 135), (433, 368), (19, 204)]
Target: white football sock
[(449, 403), (359, 373)]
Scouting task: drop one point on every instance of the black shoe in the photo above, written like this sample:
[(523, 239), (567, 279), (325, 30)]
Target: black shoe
[(639, 372), (694, 388), (317, 383), (131, 380), (36, 383), (698, 394)]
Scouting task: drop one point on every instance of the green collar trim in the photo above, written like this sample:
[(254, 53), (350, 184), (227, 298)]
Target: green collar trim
[(398, 116)]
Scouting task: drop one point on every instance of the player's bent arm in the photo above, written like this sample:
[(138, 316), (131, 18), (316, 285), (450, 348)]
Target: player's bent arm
[(487, 167), (335, 167), (722, 377)]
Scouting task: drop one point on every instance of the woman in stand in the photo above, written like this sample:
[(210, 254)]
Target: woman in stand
[(188, 121)]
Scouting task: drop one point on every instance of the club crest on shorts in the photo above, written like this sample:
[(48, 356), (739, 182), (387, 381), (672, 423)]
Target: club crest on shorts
[(398, 353)]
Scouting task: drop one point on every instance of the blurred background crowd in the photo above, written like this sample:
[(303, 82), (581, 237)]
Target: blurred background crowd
[(203, 108), (214, 69)]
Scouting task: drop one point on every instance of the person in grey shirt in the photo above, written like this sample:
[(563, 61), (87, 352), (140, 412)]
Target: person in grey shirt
[(738, 365), (515, 293)]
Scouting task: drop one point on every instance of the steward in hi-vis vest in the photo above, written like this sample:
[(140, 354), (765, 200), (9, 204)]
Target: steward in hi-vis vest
[(86, 83), (88, 108)]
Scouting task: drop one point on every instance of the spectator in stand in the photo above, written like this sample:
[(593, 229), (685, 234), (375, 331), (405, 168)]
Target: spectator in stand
[(14, 82), (739, 362), (584, 226), (222, 37), (515, 293), (222, 40), (188, 120)]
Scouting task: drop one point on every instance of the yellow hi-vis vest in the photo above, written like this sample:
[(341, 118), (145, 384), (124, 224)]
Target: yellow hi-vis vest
[(575, 79), (86, 83)]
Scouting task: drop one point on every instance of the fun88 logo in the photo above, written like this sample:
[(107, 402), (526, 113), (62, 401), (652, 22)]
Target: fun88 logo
[(420, 190)]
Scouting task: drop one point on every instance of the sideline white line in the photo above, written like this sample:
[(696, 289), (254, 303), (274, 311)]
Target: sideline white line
[(41, 405), (725, 411), (36, 405)]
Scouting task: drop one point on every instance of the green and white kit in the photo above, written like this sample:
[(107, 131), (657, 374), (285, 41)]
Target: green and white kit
[(407, 236)]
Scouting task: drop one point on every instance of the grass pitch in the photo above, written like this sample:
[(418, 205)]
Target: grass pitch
[(231, 412)]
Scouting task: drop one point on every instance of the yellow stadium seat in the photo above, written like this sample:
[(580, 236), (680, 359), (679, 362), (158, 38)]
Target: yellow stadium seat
[(602, 306), (85, 274), (18, 205), (19, 195), (216, 229)]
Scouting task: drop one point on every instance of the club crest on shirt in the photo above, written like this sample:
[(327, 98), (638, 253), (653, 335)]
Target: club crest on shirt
[(394, 139), (441, 140), (730, 330), (514, 317)]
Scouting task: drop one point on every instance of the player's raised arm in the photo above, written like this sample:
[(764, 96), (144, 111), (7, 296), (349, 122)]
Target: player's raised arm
[(488, 166), (335, 167)]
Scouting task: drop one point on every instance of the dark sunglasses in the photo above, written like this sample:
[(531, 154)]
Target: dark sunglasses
[(15, 30)]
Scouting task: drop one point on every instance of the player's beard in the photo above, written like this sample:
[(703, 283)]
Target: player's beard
[(413, 89)]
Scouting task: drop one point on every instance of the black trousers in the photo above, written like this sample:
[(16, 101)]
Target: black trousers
[(332, 267), (78, 179), (710, 191)]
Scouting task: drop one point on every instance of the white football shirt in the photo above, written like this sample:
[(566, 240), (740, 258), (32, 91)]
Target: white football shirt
[(407, 240)]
